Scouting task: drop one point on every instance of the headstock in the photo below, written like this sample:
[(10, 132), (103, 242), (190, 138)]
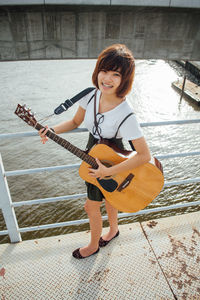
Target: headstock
[(25, 114)]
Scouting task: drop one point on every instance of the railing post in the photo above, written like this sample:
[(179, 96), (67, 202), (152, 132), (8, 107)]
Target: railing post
[(7, 209)]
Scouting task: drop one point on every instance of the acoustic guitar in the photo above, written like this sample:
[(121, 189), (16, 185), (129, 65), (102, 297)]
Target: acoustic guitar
[(128, 191)]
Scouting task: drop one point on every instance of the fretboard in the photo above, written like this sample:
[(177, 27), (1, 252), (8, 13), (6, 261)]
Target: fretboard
[(67, 145)]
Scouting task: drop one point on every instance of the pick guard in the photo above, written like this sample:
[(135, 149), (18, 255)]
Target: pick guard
[(108, 185)]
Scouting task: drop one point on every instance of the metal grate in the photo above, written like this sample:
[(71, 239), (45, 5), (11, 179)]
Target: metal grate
[(45, 269), (176, 244)]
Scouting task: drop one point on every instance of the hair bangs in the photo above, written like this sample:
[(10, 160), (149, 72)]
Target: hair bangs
[(110, 63)]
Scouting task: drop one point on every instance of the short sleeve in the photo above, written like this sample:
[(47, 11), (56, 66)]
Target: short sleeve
[(84, 101), (130, 129)]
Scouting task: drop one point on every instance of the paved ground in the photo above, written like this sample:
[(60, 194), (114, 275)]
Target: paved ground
[(158, 259)]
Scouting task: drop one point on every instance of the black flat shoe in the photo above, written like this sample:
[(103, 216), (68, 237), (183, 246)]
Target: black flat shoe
[(78, 255), (103, 243)]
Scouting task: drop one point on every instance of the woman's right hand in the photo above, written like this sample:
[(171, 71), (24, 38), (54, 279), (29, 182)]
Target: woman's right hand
[(42, 134)]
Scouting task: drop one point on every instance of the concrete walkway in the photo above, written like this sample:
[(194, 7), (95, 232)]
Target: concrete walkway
[(158, 259)]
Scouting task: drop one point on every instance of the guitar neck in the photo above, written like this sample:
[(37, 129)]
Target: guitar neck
[(71, 148)]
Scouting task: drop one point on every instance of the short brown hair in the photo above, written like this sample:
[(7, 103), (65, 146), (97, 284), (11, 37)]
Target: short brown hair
[(116, 57)]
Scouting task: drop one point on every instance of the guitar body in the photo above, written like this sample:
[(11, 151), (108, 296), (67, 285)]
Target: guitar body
[(128, 191)]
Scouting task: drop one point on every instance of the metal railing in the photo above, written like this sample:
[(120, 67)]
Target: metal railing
[(8, 207)]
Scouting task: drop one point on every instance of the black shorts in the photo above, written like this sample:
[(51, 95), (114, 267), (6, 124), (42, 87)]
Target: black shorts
[(93, 192)]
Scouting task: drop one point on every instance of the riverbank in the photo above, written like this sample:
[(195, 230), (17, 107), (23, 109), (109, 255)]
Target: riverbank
[(189, 87), (190, 90)]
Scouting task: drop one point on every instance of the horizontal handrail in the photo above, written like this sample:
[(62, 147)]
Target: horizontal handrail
[(173, 122), (83, 195), (65, 167), (44, 169), (180, 182), (120, 216), (147, 124), (48, 200), (34, 133)]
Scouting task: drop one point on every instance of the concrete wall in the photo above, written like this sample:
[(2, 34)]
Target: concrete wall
[(59, 32), (155, 3)]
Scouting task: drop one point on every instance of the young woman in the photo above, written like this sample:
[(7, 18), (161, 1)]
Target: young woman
[(113, 78)]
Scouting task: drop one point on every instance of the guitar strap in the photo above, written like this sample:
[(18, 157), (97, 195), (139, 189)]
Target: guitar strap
[(95, 115), (130, 142), (69, 102)]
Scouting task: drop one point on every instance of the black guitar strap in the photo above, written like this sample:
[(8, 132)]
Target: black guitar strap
[(69, 102), (95, 116), (130, 142), (122, 123)]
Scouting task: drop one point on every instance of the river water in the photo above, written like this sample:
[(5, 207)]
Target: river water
[(43, 85)]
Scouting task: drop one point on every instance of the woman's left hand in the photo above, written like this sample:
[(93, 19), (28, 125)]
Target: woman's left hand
[(101, 172)]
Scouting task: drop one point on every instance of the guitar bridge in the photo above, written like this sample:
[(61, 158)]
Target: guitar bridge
[(125, 183)]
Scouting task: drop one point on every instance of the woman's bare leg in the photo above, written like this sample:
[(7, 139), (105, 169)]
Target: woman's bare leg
[(113, 221), (93, 210)]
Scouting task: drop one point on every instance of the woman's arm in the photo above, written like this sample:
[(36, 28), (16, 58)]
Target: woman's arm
[(71, 124), (141, 157), (65, 126)]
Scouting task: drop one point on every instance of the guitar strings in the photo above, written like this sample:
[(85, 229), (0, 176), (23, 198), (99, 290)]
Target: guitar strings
[(44, 119)]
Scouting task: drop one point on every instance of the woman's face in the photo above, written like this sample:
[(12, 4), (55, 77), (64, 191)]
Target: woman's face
[(109, 81)]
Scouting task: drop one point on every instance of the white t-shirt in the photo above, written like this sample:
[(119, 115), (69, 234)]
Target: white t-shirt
[(110, 120)]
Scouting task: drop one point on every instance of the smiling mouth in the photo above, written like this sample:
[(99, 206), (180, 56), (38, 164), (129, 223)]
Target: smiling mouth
[(107, 85)]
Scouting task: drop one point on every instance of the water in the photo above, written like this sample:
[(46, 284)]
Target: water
[(43, 85)]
